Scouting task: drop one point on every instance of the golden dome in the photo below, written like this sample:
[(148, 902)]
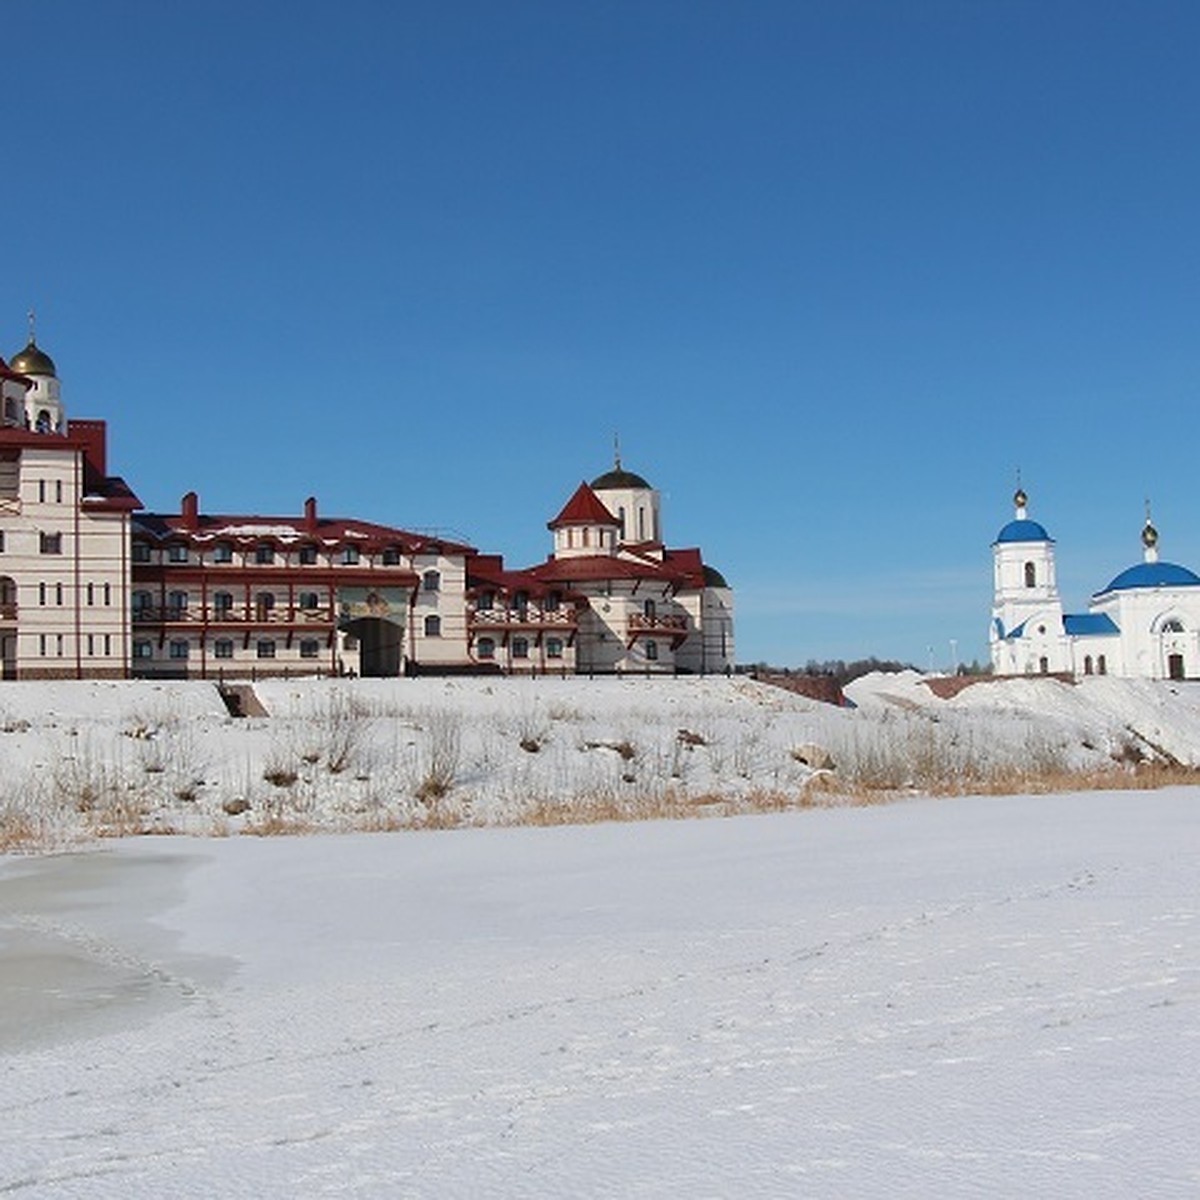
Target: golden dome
[(32, 361)]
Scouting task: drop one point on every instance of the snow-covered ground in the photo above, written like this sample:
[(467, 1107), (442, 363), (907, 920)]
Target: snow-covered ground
[(81, 759), (966, 997)]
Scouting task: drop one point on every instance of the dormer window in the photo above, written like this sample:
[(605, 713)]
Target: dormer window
[(350, 555), (177, 552), (141, 552), (264, 553), (308, 555), (222, 553), (391, 556)]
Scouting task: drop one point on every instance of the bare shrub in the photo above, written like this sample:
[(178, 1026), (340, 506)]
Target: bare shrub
[(441, 756)]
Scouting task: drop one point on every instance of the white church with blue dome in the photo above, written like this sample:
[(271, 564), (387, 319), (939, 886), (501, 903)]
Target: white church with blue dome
[(1145, 624)]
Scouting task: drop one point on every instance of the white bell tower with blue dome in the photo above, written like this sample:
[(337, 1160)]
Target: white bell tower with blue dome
[(1027, 634)]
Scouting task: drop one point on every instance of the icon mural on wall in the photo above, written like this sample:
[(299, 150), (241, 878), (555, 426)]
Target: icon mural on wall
[(385, 604)]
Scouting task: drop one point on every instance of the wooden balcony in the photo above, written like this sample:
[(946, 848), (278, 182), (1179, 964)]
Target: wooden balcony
[(666, 625)]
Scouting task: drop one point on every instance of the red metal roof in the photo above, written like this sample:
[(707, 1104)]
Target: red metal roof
[(583, 508)]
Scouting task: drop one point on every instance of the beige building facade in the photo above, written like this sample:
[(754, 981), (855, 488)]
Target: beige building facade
[(91, 586)]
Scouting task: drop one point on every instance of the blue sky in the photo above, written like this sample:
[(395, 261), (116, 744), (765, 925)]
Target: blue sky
[(834, 271)]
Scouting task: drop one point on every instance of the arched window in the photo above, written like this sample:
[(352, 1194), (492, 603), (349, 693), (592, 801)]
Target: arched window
[(1087, 664), (1044, 665), (651, 651), (1030, 575), (349, 555), (222, 603), (264, 553), (649, 610), (1172, 625), (433, 625), (308, 555), (177, 603), (222, 552), (431, 581), (141, 602), (1101, 666)]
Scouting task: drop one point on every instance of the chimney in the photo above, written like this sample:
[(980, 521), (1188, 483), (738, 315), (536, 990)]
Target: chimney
[(310, 515), (189, 508)]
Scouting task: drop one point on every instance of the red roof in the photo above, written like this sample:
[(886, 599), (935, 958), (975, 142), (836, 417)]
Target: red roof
[(583, 508), (287, 530)]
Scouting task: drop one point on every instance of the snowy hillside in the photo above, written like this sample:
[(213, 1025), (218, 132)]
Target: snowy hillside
[(81, 759)]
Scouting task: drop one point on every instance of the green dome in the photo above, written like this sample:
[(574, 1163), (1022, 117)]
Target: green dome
[(32, 361), (618, 478), (713, 578)]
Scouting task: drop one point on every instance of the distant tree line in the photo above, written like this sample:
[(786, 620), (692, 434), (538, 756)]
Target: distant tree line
[(842, 672)]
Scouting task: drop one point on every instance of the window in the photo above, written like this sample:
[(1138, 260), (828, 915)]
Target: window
[(222, 552), (179, 648), (42, 644), (265, 649), (58, 491), (1044, 665), (222, 603), (649, 611), (222, 648), (520, 648), (177, 602), (486, 648), (91, 646), (1101, 665), (431, 581), (349, 555), (308, 555), (177, 552), (310, 648), (107, 645), (143, 650), (552, 602), (91, 594), (108, 595), (264, 553), (1173, 625), (264, 604), (50, 543), (554, 648), (433, 626), (1087, 664), (1030, 575), (141, 602), (141, 552), (486, 602), (308, 601), (58, 644), (521, 603), (651, 651), (391, 556), (58, 594), (41, 593), (1, 541), (41, 491)]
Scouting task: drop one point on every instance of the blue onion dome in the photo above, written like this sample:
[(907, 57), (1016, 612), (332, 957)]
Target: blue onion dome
[(1153, 575), (1023, 530)]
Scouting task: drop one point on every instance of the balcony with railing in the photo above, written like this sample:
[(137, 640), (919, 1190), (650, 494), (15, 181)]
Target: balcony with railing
[(522, 617), (231, 615), (666, 625)]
